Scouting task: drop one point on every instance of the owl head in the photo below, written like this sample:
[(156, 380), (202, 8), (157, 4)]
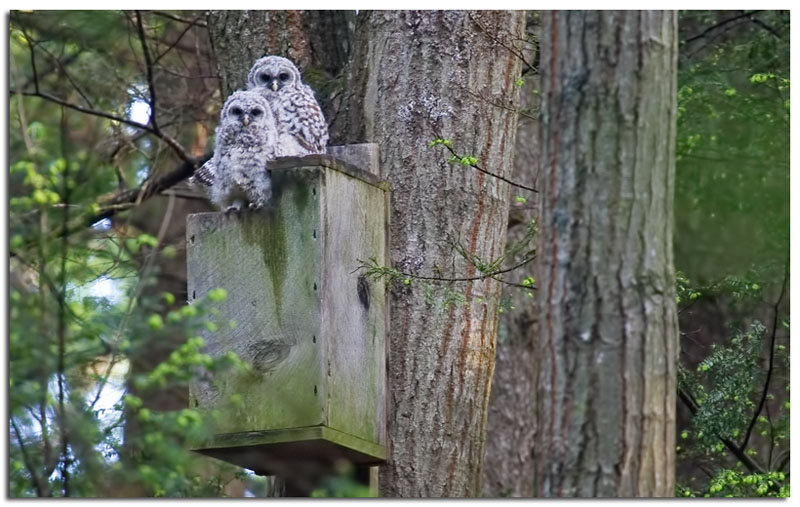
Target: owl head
[(246, 107), (273, 73), (246, 116)]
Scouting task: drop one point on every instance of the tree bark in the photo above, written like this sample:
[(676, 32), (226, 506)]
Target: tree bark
[(418, 76), (508, 465), (609, 334)]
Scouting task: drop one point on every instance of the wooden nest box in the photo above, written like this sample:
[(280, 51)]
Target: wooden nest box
[(310, 323)]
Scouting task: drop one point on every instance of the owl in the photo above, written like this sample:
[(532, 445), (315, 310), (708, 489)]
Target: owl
[(246, 139), (302, 129)]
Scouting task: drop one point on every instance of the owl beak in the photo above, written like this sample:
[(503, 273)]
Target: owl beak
[(246, 120), (275, 86)]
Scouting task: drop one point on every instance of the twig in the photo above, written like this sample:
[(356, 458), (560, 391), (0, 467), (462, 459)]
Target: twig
[(496, 104), (771, 365), (491, 275), (484, 171), (513, 51), (146, 190)]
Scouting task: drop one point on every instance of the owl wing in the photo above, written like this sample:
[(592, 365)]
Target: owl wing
[(306, 121), (205, 175)]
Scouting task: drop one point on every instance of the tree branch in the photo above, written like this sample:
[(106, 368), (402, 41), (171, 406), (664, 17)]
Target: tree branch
[(33, 61), (146, 190), (41, 486), (148, 63), (766, 27), (168, 15), (179, 150), (175, 43), (751, 465), (771, 365), (722, 23)]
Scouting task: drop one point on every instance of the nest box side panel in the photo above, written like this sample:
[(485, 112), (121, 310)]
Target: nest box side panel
[(353, 306), (269, 264)]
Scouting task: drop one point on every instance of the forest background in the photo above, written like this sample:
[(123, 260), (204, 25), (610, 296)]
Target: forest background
[(109, 110)]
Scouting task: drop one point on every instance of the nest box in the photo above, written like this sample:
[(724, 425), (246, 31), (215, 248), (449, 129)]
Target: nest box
[(310, 323)]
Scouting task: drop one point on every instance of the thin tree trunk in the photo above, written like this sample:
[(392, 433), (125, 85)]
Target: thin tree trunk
[(418, 76), (609, 333)]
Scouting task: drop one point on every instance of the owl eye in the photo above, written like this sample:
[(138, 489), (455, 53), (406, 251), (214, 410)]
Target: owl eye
[(236, 111), (283, 76), (264, 77), (256, 113)]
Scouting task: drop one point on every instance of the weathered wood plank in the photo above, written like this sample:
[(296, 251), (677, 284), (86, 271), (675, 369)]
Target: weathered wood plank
[(353, 307)]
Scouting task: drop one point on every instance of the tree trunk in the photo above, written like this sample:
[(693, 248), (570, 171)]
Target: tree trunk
[(508, 466), (418, 76), (609, 334)]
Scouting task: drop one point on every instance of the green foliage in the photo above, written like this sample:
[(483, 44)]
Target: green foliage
[(343, 485), (731, 483), (732, 372), (86, 311), (732, 236), (732, 180), (727, 387)]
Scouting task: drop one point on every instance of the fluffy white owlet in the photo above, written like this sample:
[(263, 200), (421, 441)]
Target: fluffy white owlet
[(246, 139), (302, 129)]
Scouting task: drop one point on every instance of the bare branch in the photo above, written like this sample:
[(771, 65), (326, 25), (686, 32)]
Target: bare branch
[(716, 26), (63, 69), (40, 485), (766, 27), (115, 356), (33, 61), (770, 367), (171, 142), (168, 15), (148, 63), (175, 43)]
